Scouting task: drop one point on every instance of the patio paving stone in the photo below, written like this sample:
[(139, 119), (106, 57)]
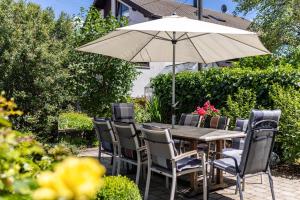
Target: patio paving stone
[(285, 188)]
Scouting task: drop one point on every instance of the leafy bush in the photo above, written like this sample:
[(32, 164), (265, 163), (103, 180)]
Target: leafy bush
[(288, 100), (153, 108), (141, 114), (76, 129), (75, 121), (194, 88), (239, 105), (21, 156), (119, 188)]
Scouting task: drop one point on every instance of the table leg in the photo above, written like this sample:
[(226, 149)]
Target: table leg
[(219, 148), (194, 176)]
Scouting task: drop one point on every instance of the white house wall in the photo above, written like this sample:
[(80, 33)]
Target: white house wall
[(138, 89)]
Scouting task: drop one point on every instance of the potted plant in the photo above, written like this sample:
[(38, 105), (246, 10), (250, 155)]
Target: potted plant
[(207, 111)]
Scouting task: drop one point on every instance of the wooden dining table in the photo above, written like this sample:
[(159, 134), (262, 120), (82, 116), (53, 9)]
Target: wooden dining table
[(195, 135)]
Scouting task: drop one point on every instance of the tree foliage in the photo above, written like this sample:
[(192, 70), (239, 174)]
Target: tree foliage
[(277, 21), (96, 80), (41, 69), (34, 47)]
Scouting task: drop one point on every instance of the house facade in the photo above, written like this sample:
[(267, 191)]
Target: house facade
[(138, 11)]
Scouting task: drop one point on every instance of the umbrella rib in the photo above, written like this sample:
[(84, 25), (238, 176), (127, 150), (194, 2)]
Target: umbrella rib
[(195, 48), (154, 36), (88, 44), (194, 36), (168, 35), (158, 37), (178, 39), (243, 43)]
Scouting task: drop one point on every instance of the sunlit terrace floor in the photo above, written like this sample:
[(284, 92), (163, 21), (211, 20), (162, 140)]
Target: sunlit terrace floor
[(286, 187)]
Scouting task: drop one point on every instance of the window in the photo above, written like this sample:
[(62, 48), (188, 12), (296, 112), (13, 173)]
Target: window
[(142, 65), (123, 10)]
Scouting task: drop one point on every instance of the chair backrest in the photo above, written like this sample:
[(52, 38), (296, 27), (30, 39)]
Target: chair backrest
[(123, 112), (261, 132), (160, 147), (105, 133), (127, 138), (240, 125), (216, 122), (189, 119)]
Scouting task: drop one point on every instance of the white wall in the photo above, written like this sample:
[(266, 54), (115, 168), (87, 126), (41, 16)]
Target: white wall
[(144, 78)]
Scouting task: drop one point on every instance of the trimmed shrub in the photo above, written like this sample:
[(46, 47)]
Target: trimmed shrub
[(239, 104), (76, 121), (194, 88), (76, 129), (119, 188), (288, 101)]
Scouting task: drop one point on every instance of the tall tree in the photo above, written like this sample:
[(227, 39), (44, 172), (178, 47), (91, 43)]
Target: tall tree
[(97, 80), (277, 21), (33, 49)]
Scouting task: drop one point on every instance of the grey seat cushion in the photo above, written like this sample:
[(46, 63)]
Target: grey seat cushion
[(188, 163), (226, 164), (237, 153)]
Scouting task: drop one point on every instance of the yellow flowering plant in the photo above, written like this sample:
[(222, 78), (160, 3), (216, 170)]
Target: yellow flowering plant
[(72, 179)]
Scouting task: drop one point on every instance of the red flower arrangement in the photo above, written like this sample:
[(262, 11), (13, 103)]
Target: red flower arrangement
[(207, 109)]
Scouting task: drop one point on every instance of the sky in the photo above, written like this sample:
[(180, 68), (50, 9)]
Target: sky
[(72, 7)]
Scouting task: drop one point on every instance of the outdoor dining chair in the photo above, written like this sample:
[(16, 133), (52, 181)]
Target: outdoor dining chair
[(123, 112), (237, 143), (164, 159), (130, 148), (259, 142), (187, 120), (107, 140), (215, 122)]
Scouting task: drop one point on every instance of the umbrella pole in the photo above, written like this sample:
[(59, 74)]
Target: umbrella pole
[(173, 81)]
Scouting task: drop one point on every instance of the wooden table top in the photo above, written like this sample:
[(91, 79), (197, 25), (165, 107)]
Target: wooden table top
[(194, 133)]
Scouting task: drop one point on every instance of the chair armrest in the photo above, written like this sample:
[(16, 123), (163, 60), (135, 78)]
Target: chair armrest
[(227, 156), (185, 155), (142, 148)]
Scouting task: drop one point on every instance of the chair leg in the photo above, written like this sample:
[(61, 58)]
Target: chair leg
[(167, 183), (205, 188), (113, 158), (261, 178), (211, 174), (239, 187), (147, 183), (244, 183), (99, 154), (271, 183), (118, 166), (138, 172), (173, 188)]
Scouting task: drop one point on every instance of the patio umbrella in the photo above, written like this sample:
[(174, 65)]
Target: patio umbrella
[(177, 39)]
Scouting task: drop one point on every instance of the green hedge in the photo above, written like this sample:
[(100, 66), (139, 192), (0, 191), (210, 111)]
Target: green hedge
[(236, 91), (76, 129), (194, 88), (288, 100), (75, 121), (119, 188)]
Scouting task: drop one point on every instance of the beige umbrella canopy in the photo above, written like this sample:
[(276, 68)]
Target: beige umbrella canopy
[(177, 39)]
